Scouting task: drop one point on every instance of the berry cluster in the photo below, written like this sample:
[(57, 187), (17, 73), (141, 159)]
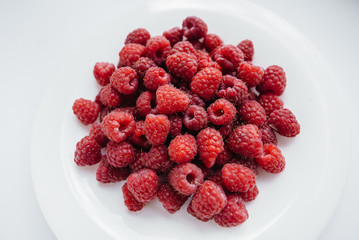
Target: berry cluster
[(185, 116)]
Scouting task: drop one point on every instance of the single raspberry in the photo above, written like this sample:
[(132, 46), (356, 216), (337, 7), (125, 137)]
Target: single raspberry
[(173, 35), (171, 200), (109, 96), (157, 158), (206, 82), (190, 211), (117, 126), (156, 128), (195, 99), (250, 74), (138, 164), (176, 125), (171, 100), (185, 178), (146, 103), (130, 201), (247, 48), (183, 47), (156, 77), (142, 65), (97, 133), (268, 136), (237, 178), (246, 141), (198, 44), (88, 152), (143, 185), (194, 28), (211, 41), (102, 72), (250, 195), (250, 163), (252, 112), (130, 54), (274, 81), (182, 65), (106, 173), (210, 144), (272, 160), (158, 49), (86, 110), (223, 157), (228, 57), (204, 60), (195, 118), (284, 122), (124, 80), (120, 154), (182, 148), (221, 112), (233, 214), (270, 102), (233, 89), (139, 36)]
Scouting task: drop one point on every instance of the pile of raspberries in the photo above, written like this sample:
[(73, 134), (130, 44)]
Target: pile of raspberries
[(185, 117)]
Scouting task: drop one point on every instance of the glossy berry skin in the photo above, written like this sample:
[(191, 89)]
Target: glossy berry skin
[(97, 133), (210, 144), (146, 103), (272, 160), (233, 214), (124, 80), (139, 36), (117, 126), (171, 100), (158, 159), (233, 89), (120, 154), (182, 148), (221, 112), (106, 173), (270, 102), (237, 178), (110, 97), (211, 41), (158, 48), (228, 57), (284, 122), (274, 80), (171, 200), (86, 111), (156, 128), (156, 77), (250, 74), (182, 65), (102, 72), (206, 82), (252, 112), (88, 152), (131, 53), (130, 201), (247, 48), (195, 118), (194, 28), (250, 195), (173, 35), (143, 185)]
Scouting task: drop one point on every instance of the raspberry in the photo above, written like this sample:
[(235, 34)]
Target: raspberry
[(139, 36), (249, 163), (270, 102), (155, 77), (183, 47), (102, 72), (194, 28), (158, 49), (131, 53), (228, 57), (246, 141), (284, 122), (182, 65), (221, 112), (107, 173), (233, 214), (138, 138), (138, 164), (210, 144), (156, 128), (88, 152), (104, 112), (211, 41), (146, 103), (171, 200), (224, 157), (185, 178), (237, 178), (142, 65), (176, 125), (215, 176), (130, 110), (250, 195), (171, 100), (157, 158), (206, 82), (124, 80), (247, 48), (109, 96), (195, 99), (117, 126), (86, 110), (250, 74), (252, 112), (98, 135), (226, 129), (233, 89), (191, 211), (204, 60), (195, 118), (198, 44), (268, 136), (143, 185), (272, 160), (173, 35), (120, 154), (274, 81), (182, 148), (130, 201), (98, 101)]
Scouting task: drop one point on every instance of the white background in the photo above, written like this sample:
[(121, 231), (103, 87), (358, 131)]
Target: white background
[(35, 37)]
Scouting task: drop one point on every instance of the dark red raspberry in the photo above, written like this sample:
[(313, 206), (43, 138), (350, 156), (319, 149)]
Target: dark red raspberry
[(194, 28), (195, 99), (182, 148), (226, 129), (206, 82), (250, 163), (98, 135), (228, 57), (173, 35), (158, 49), (129, 100), (272, 160), (215, 176), (131, 53), (246, 141), (211, 41), (138, 164), (156, 128), (195, 118), (250, 74), (86, 111), (142, 65), (250, 195), (102, 72), (171, 200), (233, 214), (198, 44), (247, 48), (204, 60), (106, 173), (270, 102), (268, 136), (274, 81), (185, 178), (156, 77), (182, 65), (88, 152), (233, 89), (130, 201), (210, 144), (191, 211), (124, 80), (252, 112), (110, 97), (139, 36), (223, 157), (117, 126), (98, 101), (171, 100), (184, 47), (120, 154), (157, 158), (176, 125), (104, 112), (284, 122), (143, 185), (221, 112), (146, 103), (237, 178)]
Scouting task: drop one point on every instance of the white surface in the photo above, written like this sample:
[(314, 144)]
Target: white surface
[(34, 37)]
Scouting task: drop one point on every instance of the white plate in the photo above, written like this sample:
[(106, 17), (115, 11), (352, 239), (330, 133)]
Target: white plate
[(295, 204)]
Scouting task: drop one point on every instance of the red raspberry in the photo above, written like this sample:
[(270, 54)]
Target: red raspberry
[(107, 173), (86, 110), (270, 102), (250, 163), (206, 82), (284, 122), (226, 129), (223, 157), (98, 101), (228, 57), (204, 60), (195, 118), (194, 28), (215, 176), (247, 48), (138, 138), (98, 135), (102, 72), (183, 47), (117, 126), (185, 178), (195, 99), (130, 110), (138, 164), (252, 112), (120, 154), (139, 36), (211, 41), (171, 100), (182, 65), (182, 148), (158, 49), (238, 178), (210, 144), (104, 112), (109, 96), (171, 200), (268, 136), (131, 53), (198, 44), (250, 195), (130, 201), (173, 35), (142, 65), (191, 211), (88, 152), (274, 81), (233, 214), (157, 158), (146, 103), (250, 74), (176, 125), (272, 160), (221, 112), (156, 77), (246, 141), (233, 89), (156, 128), (143, 185), (124, 80)]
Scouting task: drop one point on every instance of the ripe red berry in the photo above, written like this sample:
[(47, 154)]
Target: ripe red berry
[(97, 133), (130, 201), (270, 102), (272, 160), (252, 112), (88, 152), (247, 48), (184, 47), (117, 126), (284, 122), (86, 110), (173, 35), (182, 65), (176, 125), (191, 211), (158, 49), (107, 173), (182, 148), (237, 178), (210, 144), (142, 65), (156, 77), (156, 128), (194, 28), (204, 60), (110, 97), (206, 82), (233, 89), (221, 112), (171, 100), (250, 163), (195, 99), (250, 195), (139, 36), (250, 74), (195, 118), (211, 41), (268, 136), (274, 80), (143, 185), (120, 154), (131, 53), (233, 214), (171, 200), (102, 72), (228, 57), (124, 80), (146, 103), (158, 159), (138, 164), (223, 157)]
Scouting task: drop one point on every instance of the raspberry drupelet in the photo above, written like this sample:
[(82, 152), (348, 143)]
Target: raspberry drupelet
[(117, 126)]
